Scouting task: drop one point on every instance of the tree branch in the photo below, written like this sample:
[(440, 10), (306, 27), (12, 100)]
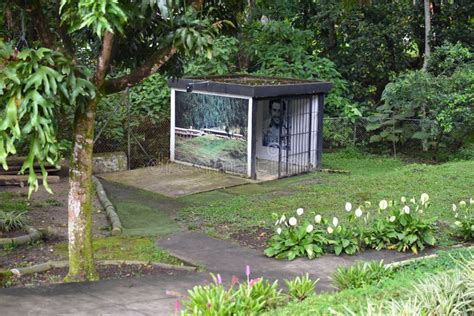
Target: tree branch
[(63, 33), (41, 24), (103, 61), (151, 66)]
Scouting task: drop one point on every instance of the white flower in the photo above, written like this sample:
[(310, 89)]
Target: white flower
[(412, 200), (358, 212), (471, 201), (293, 221), (282, 219), (454, 207), (457, 223), (330, 230), (368, 204), (348, 206), (335, 221), (299, 211), (383, 204), (277, 222), (278, 230), (406, 209), (462, 204), (392, 218), (424, 198), (456, 215), (309, 228), (317, 219), (403, 199)]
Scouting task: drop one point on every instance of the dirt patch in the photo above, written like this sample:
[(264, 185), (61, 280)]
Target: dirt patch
[(47, 213), (255, 238), (106, 272)]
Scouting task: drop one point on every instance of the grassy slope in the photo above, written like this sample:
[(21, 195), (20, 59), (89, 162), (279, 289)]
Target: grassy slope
[(371, 178), (391, 288)]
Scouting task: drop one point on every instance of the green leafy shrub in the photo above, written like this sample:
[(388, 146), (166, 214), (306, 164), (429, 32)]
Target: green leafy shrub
[(343, 240), (360, 275), (292, 240), (10, 221), (247, 298), (301, 287), (464, 225)]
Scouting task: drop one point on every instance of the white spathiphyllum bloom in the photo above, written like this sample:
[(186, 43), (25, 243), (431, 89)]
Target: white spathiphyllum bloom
[(282, 219), (330, 230), (368, 204), (403, 199), (454, 207), (383, 204), (293, 221), (412, 200), (471, 201), (358, 212), (299, 211), (424, 198), (309, 228), (348, 207), (456, 215), (457, 223), (277, 222), (392, 218), (317, 219), (278, 230), (406, 209), (462, 204), (335, 221)]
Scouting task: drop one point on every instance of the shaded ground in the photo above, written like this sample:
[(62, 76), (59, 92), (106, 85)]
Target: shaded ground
[(174, 180), (48, 213)]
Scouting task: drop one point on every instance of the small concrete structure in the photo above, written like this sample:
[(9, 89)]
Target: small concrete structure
[(256, 127), (109, 162), (175, 180)]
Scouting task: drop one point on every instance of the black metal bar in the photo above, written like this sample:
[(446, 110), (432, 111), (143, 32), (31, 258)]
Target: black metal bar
[(319, 145), (289, 108), (279, 139), (253, 148), (310, 128)]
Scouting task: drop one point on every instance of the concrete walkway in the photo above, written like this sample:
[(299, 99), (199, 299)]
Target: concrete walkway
[(157, 295)]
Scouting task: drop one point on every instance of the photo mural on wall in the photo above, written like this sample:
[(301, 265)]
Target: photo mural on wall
[(211, 131), (275, 125)]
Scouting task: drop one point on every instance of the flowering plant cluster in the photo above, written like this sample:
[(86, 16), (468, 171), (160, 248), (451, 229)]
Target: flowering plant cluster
[(401, 226), (251, 297), (464, 224)]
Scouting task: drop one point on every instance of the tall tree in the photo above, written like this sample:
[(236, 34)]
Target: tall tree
[(427, 11), (77, 35)]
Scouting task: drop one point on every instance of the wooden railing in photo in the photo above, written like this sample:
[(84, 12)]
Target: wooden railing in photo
[(12, 176), (189, 133)]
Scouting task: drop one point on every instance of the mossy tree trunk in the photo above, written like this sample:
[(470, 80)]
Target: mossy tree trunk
[(81, 261)]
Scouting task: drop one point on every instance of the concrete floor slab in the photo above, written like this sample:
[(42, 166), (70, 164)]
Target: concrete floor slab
[(175, 180)]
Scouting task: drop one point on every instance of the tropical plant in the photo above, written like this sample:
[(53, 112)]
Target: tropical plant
[(301, 287), (343, 240), (360, 275), (292, 240), (464, 224)]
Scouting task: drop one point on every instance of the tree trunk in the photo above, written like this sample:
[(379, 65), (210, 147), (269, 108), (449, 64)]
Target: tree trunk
[(81, 260), (427, 34), (81, 263)]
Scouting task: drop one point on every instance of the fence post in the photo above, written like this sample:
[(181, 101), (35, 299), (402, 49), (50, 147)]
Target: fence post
[(393, 141), (355, 132)]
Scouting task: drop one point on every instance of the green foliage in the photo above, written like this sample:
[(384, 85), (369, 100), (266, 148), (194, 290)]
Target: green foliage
[(301, 287), (360, 275), (247, 298), (224, 55), (464, 224), (343, 240), (448, 57), (14, 220), (35, 83), (96, 15)]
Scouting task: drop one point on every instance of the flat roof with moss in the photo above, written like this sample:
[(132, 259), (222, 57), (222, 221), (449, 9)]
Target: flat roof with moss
[(251, 86)]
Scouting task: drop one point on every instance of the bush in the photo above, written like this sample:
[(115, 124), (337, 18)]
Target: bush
[(464, 225), (301, 287), (13, 220), (360, 275)]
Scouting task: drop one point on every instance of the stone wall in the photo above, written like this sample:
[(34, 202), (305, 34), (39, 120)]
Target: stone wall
[(109, 162)]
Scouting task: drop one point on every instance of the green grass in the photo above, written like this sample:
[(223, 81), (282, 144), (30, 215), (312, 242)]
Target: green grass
[(10, 201), (390, 288), (371, 178), (126, 248), (211, 146)]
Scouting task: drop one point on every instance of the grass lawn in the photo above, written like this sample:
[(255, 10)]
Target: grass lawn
[(371, 178), (394, 287)]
